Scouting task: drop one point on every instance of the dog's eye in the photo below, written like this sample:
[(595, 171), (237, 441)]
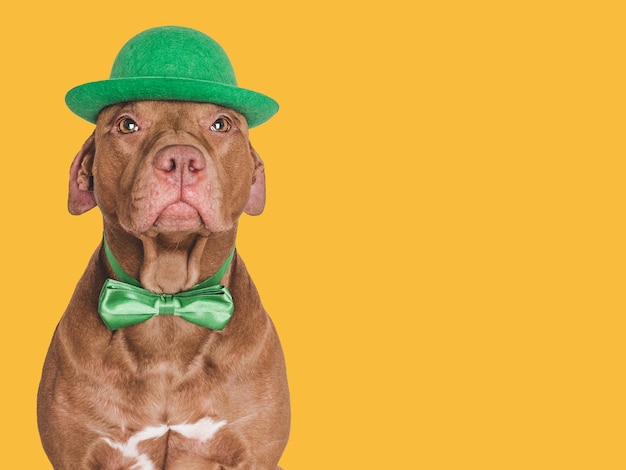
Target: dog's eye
[(220, 125), (127, 126)]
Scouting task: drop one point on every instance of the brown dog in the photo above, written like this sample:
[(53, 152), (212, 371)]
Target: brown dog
[(171, 179)]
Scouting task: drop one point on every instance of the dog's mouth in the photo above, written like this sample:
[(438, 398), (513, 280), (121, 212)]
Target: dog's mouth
[(177, 217)]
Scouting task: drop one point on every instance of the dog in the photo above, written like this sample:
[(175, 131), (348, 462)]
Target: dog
[(171, 178)]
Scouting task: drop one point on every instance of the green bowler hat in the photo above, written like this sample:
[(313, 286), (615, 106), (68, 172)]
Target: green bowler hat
[(171, 63)]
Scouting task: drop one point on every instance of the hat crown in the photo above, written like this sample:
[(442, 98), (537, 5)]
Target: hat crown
[(174, 51), (171, 63)]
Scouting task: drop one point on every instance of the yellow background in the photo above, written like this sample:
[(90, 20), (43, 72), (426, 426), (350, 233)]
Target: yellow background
[(443, 246)]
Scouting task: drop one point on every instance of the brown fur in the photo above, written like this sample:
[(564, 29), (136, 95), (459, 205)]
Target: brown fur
[(100, 384)]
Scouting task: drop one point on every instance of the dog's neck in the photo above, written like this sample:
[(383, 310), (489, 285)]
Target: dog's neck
[(170, 264)]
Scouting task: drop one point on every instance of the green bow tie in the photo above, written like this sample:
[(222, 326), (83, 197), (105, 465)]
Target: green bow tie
[(125, 303)]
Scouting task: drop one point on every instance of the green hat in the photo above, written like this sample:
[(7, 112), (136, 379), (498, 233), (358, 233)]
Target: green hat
[(171, 63)]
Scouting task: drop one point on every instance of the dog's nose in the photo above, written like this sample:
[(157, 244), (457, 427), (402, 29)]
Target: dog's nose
[(179, 164)]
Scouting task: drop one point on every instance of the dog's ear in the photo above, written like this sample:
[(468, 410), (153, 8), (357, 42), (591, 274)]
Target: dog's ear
[(80, 197), (256, 202)]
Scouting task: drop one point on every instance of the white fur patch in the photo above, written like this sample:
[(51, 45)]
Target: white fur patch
[(202, 431), (129, 448)]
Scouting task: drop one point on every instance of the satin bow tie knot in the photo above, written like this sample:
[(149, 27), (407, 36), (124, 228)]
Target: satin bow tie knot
[(125, 303)]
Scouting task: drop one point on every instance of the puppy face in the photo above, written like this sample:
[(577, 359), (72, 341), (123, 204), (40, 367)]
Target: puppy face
[(167, 166)]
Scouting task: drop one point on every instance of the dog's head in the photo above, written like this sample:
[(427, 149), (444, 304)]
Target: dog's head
[(168, 166)]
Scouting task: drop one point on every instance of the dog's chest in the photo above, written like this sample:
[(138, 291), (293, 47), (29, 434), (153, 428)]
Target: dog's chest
[(145, 452), (166, 407), (164, 342), (160, 371)]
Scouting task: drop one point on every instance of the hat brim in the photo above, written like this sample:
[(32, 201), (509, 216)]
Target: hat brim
[(89, 99)]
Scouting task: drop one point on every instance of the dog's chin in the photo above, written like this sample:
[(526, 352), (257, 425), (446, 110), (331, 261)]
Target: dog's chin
[(178, 217), (175, 220)]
